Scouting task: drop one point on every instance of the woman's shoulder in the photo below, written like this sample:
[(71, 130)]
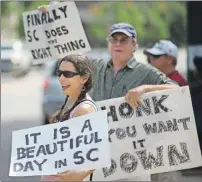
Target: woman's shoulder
[(83, 108), (86, 106)]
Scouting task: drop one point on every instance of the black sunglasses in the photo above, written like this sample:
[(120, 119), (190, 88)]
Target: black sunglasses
[(66, 74)]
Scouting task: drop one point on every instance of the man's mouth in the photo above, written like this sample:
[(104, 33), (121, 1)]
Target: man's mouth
[(117, 50)]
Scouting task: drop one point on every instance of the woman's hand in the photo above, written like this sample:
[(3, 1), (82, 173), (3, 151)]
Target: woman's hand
[(74, 175)]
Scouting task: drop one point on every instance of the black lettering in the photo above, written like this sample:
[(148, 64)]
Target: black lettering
[(18, 167), (97, 139), (48, 150), (80, 158), (184, 122), (69, 46), (120, 133), (48, 49), (112, 112), (28, 166), (65, 132), (48, 35), (74, 45), (40, 164), (58, 48), (58, 31), (27, 139), (35, 135), (134, 145), (37, 19), (62, 144), (172, 126), (126, 111), (110, 132), (62, 163), (173, 153), (56, 17), (65, 31), (162, 127), (141, 142), (131, 134), (109, 171), (71, 141), (88, 155), (30, 37), (64, 9), (34, 34), (150, 128), (49, 18), (21, 153), (126, 166), (41, 150), (43, 18), (86, 125), (146, 108), (82, 43), (29, 151), (86, 139), (28, 20), (78, 140), (53, 33), (150, 161), (158, 104), (33, 54)]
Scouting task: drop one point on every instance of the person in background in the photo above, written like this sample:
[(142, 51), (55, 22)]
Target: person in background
[(123, 75), (75, 77), (163, 56)]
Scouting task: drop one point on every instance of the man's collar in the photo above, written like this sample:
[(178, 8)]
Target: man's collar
[(131, 63)]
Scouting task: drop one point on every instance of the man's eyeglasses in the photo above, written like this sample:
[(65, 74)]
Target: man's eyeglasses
[(66, 74), (123, 41)]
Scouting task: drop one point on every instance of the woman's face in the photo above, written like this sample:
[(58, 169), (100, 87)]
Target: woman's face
[(70, 80)]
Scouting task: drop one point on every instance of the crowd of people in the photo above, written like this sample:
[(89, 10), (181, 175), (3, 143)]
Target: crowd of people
[(85, 81)]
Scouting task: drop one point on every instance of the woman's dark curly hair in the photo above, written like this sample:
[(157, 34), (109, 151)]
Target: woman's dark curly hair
[(84, 68)]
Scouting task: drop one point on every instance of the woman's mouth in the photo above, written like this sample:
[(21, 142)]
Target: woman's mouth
[(64, 87)]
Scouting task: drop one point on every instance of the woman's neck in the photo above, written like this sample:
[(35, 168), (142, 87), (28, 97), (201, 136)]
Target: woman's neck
[(73, 99)]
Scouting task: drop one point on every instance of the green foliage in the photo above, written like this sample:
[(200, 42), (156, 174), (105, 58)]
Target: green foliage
[(152, 20)]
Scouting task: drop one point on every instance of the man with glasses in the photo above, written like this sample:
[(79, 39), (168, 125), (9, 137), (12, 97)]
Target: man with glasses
[(163, 56)]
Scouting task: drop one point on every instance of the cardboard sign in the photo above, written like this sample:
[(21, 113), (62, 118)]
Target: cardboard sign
[(56, 33), (158, 136), (79, 143)]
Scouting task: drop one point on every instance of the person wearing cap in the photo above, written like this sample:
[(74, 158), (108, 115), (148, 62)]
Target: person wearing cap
[(123, 75), (163, 56)]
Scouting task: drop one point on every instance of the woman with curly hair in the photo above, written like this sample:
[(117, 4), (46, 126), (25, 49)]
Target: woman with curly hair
[(75, 76)]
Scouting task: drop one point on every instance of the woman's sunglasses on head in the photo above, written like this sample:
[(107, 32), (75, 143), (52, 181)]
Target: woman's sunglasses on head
[(66, 74)]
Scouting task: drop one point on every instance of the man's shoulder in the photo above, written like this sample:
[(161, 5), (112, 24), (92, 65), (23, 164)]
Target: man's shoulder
[(145, 67)]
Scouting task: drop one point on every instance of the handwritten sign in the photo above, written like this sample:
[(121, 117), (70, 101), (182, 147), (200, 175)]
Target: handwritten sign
[(56, 33), (79, 143), (158, 136)]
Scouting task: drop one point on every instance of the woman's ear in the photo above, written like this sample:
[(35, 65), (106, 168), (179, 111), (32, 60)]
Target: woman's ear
[(84, 79)]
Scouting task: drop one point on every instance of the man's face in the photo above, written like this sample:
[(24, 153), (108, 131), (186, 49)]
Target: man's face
[(121, 47), (160, 62)]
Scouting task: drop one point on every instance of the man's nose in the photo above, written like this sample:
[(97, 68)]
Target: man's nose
[(118, 42)]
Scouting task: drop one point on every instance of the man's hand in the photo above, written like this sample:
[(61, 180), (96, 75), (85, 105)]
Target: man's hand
[(43, 8), (132, 97), (134, 94)]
